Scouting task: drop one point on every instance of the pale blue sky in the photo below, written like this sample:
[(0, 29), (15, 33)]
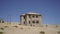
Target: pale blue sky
[(50, 9)]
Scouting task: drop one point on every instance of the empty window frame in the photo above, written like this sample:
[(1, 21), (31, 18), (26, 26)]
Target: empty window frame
[(29, 16), (24, 17), (36, 16), (37, 22), (29, 22), (33, 16), (33, 22)]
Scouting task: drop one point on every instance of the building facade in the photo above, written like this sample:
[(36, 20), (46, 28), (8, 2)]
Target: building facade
[(30, 19)]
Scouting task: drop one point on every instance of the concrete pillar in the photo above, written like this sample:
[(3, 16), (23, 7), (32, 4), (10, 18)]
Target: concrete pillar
[(21, 20), (31, 21), (39, 18), (27, 19)]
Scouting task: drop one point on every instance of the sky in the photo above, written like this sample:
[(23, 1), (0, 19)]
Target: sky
[(49, 9)]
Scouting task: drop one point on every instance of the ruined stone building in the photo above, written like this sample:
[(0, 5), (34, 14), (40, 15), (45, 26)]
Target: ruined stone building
[(30, 19)]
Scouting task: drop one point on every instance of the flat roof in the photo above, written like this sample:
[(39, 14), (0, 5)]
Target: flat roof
[(32, 13)]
